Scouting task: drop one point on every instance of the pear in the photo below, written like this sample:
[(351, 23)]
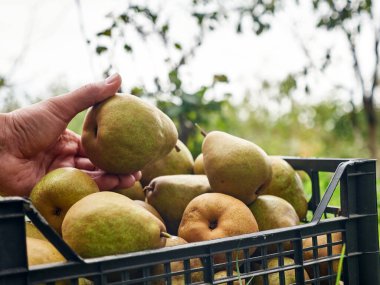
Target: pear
[(223, 274), (58, 190), (108, 223), (150, 209), (274, 278), (124, 133), (170, 194), (176, 266), (322, 251), (215, 215), (178, 161), (135, 192), (33, 232), (287, 184), (42, 252), (235, 166), (198, 165), (273, 212)]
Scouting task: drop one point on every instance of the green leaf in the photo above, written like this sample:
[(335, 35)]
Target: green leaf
[(2, 81), (165, 28), (173, 77), (239, 27), (106, 32), (220, 78), (200, 17), (124, 17), (127, 48), (288, 84), (101, 49), (138, 91), (178, 46), (191, 99)]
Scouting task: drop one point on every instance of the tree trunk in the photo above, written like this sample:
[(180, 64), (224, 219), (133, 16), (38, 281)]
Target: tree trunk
[(372, 123)]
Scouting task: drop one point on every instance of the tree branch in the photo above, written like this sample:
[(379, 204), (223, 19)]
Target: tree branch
[(356, 60), (377, 60)]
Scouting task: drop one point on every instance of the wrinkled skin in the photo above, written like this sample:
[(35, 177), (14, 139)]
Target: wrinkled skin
[(34, 140)]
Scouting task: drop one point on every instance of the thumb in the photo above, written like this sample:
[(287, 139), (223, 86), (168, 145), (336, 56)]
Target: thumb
[(66, 106)]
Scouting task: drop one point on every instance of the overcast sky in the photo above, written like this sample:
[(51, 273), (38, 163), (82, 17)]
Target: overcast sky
[(42, 45)]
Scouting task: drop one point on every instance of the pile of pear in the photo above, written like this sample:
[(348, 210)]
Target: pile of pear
[(232, 188)]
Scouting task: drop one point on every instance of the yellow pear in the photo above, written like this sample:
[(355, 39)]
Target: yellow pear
[(108, 223), (223, 274), (322, 252), (42, 252), (274, 278), (215, 215), (33, 232), (235, 166), (198, 165), (58, 190), (176, 266), (124, 133)]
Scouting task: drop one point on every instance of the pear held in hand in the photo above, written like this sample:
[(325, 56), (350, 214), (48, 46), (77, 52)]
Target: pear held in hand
[(124, 133), (235, 166)]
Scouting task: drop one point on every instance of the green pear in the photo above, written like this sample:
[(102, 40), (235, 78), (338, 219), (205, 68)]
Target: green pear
[(287, 184), (235, 166), (178, 161), (58, 190), (170, 194), (108, 223), (272, 212), (124, 133), (274, 278), (135, 192), (198, 165)]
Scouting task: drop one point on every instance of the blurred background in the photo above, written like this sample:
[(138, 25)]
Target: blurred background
[(298, 78), (295, 77)]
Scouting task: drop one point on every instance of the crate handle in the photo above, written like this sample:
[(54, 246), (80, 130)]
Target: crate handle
[(330, 191), (40, 222)]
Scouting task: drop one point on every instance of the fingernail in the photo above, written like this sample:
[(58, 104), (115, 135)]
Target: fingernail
[(111, 79)]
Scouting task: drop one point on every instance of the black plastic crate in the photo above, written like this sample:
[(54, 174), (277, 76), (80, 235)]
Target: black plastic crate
[(355, 219)]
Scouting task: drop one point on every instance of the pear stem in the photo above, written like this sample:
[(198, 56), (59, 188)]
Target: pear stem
[(146, 189), (177, 148), (165, 234), (203, 132)]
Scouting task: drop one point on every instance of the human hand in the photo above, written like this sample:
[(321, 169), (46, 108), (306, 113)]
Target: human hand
[(34, 140)]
